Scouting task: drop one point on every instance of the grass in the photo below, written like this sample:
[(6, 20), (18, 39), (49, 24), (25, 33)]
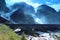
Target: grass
[(8, 34)]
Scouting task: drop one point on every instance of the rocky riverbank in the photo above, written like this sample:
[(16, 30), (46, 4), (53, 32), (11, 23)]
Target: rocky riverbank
[(44, 36)]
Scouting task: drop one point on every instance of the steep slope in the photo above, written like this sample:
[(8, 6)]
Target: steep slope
[(7, 34)]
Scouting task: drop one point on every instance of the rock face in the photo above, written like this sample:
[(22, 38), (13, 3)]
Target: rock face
[(21, 18), (28, 9), (23, 13), (46, 8), (3, 6), (47, 13)]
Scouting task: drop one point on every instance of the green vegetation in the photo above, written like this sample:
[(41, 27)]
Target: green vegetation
[(7, 34), (57, 36), (23, 36)]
